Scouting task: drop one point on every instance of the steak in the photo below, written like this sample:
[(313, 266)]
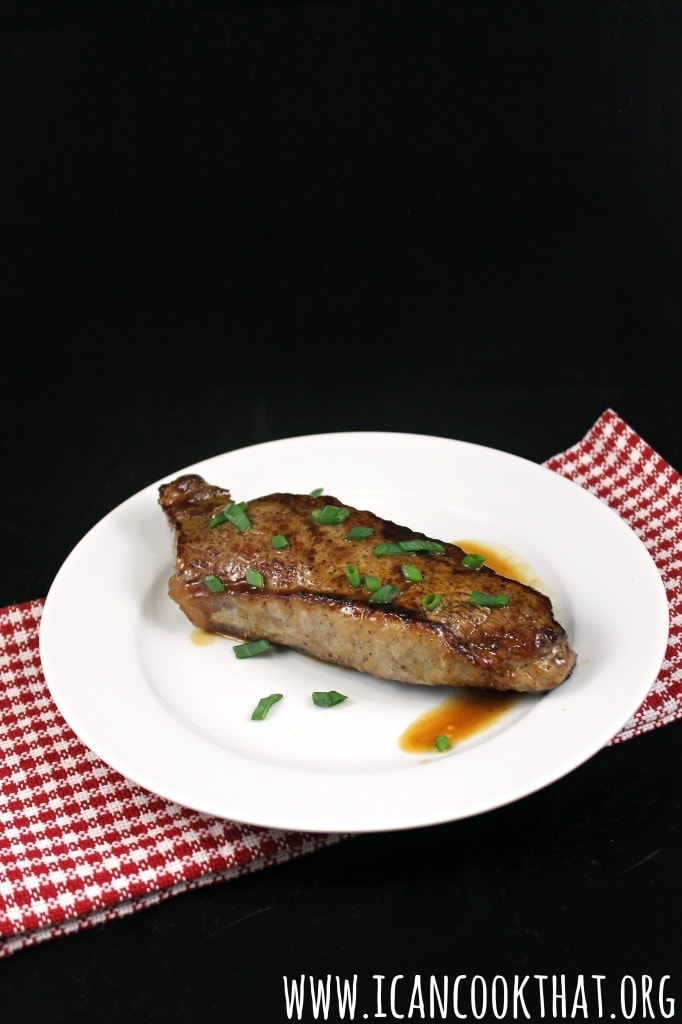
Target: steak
[(231, 578)]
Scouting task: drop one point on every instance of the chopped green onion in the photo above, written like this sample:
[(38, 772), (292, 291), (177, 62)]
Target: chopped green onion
[(263, 706), (238, 517), (442, 743), (421, 545), (385, 594), (213, 583), (372, 583), (317, 492), (279, 542), (330, 515), (388, 549), (232, 513), (353, 575), (359, 533), (255, 578), (489, 600), (431, 602), (473, 561), (251, 648), (327, 699), (411, 573), (408, 545)]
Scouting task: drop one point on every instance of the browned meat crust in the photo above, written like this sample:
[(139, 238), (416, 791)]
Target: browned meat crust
[(308, 603)]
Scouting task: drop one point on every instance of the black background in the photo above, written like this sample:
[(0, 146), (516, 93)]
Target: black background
[(224, 223)]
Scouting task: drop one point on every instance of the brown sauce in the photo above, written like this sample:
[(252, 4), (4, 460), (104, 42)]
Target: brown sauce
[(467, 712), (201, 638), (501, 560), (462, 715)]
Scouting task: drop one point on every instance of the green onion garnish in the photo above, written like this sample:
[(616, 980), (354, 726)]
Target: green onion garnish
[(421, 545), (408, 545), (372, 583), (238, 517), (251, 648), (489, 600), (327, 699), (232, 513), (263, 706), (330, 515), (411, 573), (473, 561), (213, 583), (431, 602), (442, 743), (317, 492), (385, 594), (255, 578), (279, 542), (388, 549), (359, 533), (353, 575)]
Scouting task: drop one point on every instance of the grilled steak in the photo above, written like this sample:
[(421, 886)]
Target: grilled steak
[(304, 598)]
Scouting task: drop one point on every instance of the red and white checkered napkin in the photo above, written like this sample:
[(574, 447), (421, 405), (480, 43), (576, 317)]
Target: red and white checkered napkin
[(80, 844), (623, 471)]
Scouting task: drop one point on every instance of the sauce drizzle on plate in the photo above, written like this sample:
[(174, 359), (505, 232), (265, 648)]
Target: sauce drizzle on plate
[(462, 715), (201, 638), (467, 711)]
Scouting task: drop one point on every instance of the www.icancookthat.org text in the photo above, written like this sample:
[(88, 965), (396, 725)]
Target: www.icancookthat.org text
[(529, 997)]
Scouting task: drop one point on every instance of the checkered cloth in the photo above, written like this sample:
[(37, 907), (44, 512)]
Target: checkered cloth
[(81, 845), (622, 470)]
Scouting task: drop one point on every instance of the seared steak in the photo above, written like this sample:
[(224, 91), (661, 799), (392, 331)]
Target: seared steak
[(305, 597)]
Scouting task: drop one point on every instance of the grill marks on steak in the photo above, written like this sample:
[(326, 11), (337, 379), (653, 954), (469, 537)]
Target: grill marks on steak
[(309, 604)]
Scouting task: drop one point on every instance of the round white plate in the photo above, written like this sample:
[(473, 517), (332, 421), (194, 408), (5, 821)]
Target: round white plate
[(175, 717)]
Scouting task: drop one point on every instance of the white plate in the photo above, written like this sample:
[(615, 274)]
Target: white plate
[(174, 717)]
